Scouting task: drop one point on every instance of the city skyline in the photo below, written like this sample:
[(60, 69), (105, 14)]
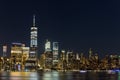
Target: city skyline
[(77, 26)]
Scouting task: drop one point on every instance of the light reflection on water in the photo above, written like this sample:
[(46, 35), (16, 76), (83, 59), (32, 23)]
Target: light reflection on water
[(51, 76), (54, 75)]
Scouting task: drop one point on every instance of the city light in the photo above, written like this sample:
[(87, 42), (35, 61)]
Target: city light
[(25, 58)]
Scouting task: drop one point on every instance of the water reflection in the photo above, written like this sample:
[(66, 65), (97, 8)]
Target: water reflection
[(118, 75), (19, 76), (51, 76), (54, 75)]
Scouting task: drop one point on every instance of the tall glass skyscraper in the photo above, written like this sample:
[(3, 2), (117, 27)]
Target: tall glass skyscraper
[(33, 39), (31, 62), (33, 34), (55, 53), (47, 46)]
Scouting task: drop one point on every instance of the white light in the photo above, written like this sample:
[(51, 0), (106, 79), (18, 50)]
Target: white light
[(83, 71)]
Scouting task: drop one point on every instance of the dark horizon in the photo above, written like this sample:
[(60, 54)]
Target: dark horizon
[(76, 25)]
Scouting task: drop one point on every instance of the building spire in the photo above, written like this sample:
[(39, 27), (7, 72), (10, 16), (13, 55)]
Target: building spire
[(34, 20)]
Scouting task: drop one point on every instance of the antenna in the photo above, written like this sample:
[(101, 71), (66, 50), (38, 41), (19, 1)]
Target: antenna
[(34, 20)]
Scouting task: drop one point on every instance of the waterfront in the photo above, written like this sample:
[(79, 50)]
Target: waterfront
[(54, 75)]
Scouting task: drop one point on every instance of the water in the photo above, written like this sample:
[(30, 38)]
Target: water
[(54, 75)]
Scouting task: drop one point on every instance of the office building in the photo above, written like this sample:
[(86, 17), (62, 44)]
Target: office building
[(4, 50), (55, 53), (31, 63), (19, 55), (90, 53), (47, 46), (33, 40)]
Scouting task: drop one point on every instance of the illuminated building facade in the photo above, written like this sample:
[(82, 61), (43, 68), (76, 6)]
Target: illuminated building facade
[(4, 50), (25, 55), (48, 60), (47, 46), (62, 60), (68, 56), (77, 57), (31, 62), (33, 33), (55, 53), (33, 40), (16, 55), (1, 63), (5, 64), (90, 53), (19, 54), (62, 55), (48, 55)]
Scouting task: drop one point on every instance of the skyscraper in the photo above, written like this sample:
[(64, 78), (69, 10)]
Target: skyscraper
[(33, 40), (16, 55), (47, 46), (55, 53), (48, 55), (4, 50), (31, 62), (90, 53)]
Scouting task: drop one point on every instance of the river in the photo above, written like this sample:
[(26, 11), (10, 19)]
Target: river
[(54, 75)]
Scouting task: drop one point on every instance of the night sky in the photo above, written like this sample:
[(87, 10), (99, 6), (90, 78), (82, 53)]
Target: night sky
[(76, 24)]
